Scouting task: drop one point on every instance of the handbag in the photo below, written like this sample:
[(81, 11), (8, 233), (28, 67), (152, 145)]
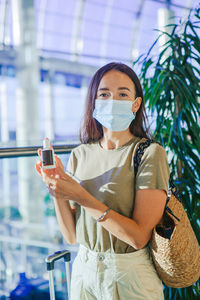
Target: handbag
[(173, 245)]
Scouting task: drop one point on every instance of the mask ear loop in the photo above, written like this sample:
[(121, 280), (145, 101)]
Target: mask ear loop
[(135, 100), (133, 104)]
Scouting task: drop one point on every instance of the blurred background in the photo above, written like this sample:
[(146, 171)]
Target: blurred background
[(49, 50)]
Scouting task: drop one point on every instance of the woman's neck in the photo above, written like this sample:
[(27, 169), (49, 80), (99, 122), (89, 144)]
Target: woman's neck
[(115, 139)]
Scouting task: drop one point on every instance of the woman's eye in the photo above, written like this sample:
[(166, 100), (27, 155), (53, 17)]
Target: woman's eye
[(103, 95), (123, 95)]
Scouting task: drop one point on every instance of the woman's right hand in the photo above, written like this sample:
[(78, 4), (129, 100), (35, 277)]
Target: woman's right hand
[(50, 174), (57, 172)]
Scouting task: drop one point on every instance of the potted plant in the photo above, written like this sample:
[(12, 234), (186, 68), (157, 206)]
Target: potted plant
[(171, 83)]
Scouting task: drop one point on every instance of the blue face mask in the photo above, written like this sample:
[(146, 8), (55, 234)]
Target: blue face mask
[(115, 115)]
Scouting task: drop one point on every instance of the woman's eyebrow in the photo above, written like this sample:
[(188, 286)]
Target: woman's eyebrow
[(103, 89), (120, 88), (124, 88)]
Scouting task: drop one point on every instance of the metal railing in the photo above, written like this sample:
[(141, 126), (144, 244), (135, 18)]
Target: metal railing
[(32, 151)]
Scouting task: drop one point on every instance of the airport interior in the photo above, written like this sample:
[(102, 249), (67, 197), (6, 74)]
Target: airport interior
[(49, 51)]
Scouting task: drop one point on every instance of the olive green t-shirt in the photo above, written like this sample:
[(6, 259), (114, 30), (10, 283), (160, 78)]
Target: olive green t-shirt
[(109, 176)]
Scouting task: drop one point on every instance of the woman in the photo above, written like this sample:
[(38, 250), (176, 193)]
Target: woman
[(109, 211)]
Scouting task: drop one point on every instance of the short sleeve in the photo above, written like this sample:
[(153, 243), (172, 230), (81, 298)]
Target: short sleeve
[(71, 166), (153, 172)]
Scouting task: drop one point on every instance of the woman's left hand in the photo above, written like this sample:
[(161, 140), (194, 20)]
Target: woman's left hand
[(62, 186), (59, 184)]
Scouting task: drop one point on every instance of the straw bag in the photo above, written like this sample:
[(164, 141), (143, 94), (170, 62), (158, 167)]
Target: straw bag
[(174, 247)]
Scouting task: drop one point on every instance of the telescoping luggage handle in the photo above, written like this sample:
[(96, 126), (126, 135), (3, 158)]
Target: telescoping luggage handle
[(50, 267)]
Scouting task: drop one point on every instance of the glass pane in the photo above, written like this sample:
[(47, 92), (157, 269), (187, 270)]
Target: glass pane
[(28, 229), (63, 93)]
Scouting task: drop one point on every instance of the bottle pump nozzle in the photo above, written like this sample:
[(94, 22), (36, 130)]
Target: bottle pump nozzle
[(46, 144)]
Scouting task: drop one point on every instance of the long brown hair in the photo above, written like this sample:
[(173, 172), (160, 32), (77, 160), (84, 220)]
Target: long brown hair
[(91, 130)]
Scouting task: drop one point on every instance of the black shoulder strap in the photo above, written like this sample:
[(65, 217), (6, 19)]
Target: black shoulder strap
[(140, 152), (137, 160)]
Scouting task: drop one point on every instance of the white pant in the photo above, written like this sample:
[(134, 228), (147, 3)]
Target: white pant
[(106, 276)]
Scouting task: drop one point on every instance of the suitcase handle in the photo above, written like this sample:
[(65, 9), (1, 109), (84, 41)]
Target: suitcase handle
[(50, 267), (56, 256)]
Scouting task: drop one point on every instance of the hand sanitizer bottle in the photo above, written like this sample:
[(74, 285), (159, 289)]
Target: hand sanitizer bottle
[(47, 155)]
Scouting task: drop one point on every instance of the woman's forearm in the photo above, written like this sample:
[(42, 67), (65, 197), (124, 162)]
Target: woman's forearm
[(66, 220), (134, 231), (122, 227)]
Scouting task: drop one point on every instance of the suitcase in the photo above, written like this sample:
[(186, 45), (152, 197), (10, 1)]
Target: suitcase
[(50, 267)]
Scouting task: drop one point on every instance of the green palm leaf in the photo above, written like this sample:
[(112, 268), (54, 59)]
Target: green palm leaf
[(171, 85)]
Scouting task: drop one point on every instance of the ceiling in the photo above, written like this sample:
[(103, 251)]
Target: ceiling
[(93, 32)]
